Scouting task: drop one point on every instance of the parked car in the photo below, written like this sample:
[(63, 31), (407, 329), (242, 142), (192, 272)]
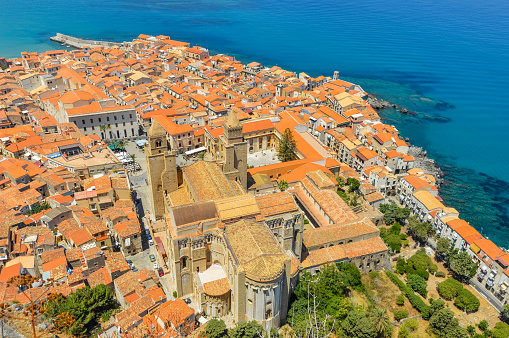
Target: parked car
[(155, 266), (160, 272), (134, 269), (129, 261), (147, 232), (149, 237), (150, 242), (187, 300), (152, 258)]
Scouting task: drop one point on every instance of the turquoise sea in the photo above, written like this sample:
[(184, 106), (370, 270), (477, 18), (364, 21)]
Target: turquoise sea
[(415, 53)]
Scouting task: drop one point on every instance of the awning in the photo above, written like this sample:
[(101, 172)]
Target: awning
[(475, 248), (503, 286), (194, 151), (202, 320)]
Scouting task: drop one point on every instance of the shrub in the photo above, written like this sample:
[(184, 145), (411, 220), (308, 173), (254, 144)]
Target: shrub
[(175, 295), (449, 288), (418, 284), (420, 260), (440, 274), (306, 221), (396, 229), (420, 272), (403, 236), (467, 301), (433, 268), (394, 242), (483, 325), (400, 300), (400, 266), (407, 328), (400, 314), (471, 330), (415, 300), (501, 330), (374, 274)]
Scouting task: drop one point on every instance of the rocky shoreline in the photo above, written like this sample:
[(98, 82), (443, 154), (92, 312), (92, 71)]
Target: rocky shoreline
[(428, 165)]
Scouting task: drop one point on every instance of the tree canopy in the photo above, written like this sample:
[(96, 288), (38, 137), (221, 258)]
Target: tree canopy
[(85, 305), (216, 328), (443, 245), (282, 185), (393, 213), (286, 147), (461, 264), (358, 325), (247, 330), (353, 184)]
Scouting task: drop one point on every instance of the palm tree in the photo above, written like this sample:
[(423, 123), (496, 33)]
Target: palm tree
[(103, 128), (121, 144), (381, 320), (133, 157)]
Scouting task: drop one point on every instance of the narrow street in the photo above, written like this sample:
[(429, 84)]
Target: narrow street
[(139, 183)]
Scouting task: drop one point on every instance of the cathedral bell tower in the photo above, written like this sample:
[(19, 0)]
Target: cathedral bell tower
[(235, 155), (161, 169)]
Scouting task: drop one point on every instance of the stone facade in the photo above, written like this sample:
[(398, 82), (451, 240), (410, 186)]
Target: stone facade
[(161, 167)]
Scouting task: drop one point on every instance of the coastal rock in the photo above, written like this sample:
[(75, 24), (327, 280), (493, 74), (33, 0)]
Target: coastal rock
[(403, 110), (377, 103), (427, 165)]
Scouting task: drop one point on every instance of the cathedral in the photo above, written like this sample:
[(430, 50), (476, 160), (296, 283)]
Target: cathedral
[(231, 251)]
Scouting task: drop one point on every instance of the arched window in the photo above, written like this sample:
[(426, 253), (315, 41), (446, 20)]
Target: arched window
[(184, 262)]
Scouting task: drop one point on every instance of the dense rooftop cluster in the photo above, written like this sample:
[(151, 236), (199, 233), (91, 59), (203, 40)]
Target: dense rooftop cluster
[(65, 199)]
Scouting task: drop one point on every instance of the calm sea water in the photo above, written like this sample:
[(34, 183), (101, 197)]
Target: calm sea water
[(415, 53)]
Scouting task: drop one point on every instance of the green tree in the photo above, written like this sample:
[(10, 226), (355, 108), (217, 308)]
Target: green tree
[(353, 184), (85, 306), (247, 330), (449, 288), (441, 319), (341, 181), (380, 319), (282, 185), (286, 146), (407, 328), (103, 128), (483, 325), (357, 325), (501, 330), (216, 328), (389, 217), (350, 276), (401, 265), (443, 245), (505, 312), (394, 242), (461, 264), (467, 301), (121, 144), (422, 231), (384, 207), (402, 214), (400, 314), (420, 260), (418, 284)]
